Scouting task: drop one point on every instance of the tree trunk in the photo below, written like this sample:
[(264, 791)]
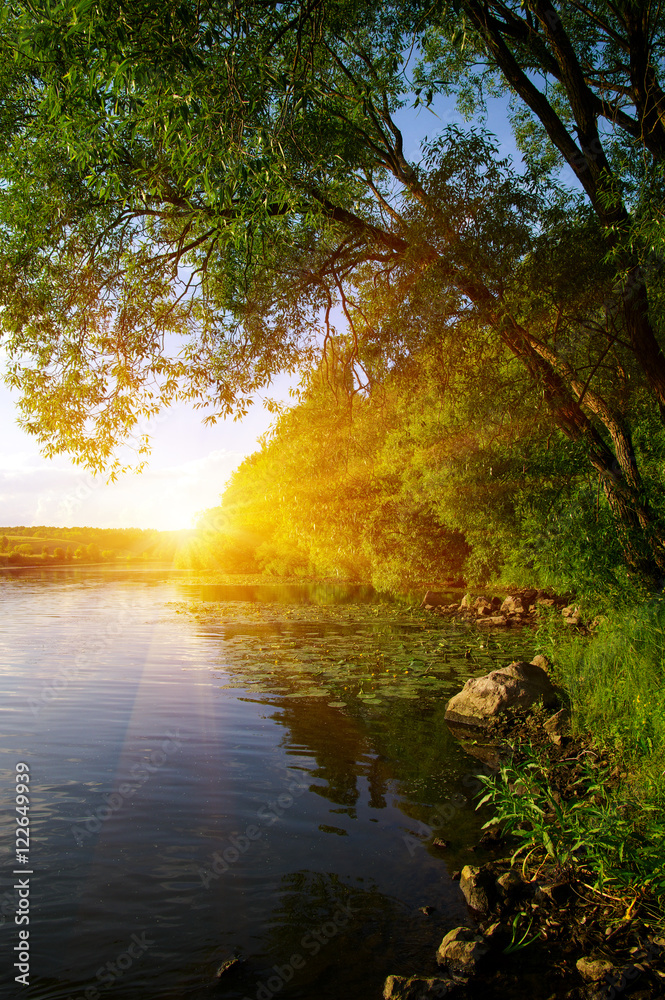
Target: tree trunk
[(637, 531)]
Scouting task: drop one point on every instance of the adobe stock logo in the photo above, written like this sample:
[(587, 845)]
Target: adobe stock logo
[(312, 942)]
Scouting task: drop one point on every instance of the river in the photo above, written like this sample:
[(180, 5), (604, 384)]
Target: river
[(219, 771)]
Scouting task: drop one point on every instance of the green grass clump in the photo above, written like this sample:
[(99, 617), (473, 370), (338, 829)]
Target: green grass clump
[(616, 684), (599, 834), (612, 829)]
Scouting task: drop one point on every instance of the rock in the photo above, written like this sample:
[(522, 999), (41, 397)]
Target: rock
[(571, 615), (434, 599), (510, 883), (442, 844), (477, 886), (513, 605), (415, 988), (593, 969), (518, 685), (462, 950), (427, 910), (558, 726), (465, 602), (496, 620), (541, 661), (482, 606)]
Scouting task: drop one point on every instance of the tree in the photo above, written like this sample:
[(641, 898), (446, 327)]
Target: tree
[(231, 174), (585, 77)]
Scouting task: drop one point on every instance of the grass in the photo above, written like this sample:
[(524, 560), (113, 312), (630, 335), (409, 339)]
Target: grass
[(616, 683), (611, 826)]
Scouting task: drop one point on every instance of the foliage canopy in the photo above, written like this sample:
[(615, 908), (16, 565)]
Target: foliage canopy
[(191, 191)]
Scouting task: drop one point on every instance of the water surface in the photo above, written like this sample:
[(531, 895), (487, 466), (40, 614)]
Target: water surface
[(221, 771)]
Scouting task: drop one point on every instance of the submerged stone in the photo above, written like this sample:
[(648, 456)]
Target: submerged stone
[(417, 988)]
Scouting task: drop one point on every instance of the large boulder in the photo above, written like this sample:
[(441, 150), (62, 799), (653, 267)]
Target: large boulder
[(519, 685)]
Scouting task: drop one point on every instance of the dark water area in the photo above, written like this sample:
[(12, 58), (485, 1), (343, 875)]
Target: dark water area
[(224, 770)]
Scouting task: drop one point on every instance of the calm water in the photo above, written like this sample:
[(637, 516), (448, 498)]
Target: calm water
[(219, 771)]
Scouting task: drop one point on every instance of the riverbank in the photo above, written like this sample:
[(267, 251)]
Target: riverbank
[(577, 886)]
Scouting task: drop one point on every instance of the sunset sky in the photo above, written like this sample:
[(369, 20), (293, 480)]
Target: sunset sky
[(187, 470)]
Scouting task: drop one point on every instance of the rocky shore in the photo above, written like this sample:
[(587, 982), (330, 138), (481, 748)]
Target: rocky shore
[(536, 929), (517, 609)]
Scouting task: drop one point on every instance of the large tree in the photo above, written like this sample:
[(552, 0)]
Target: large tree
[(231, 173)]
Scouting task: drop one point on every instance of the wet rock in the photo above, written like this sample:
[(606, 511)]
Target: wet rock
[(441, 844), (519, 685), (227, 966), (427, 910), (462, 950), (477, 886), (415, 988), (593, 969)]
